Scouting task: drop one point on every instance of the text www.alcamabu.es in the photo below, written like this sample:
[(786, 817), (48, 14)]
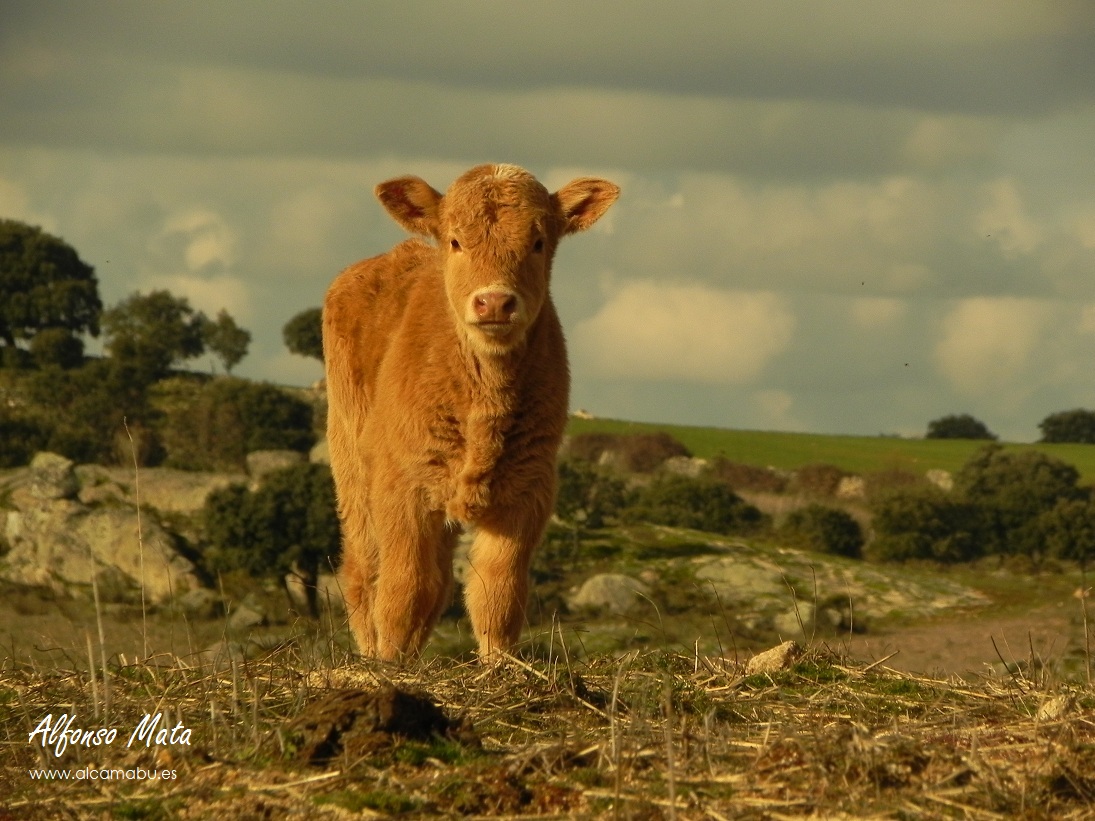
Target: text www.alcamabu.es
[(104, 774)]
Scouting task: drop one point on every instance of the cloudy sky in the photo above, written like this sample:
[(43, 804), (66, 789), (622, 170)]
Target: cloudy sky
[(849, 217)]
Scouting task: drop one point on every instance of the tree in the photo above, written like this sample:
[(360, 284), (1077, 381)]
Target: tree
[(303, 334), (147, 334), (1077, 426), (226, 339), (1013, 489), (826, 530), (43, 284), (288, 525), (960, 426)]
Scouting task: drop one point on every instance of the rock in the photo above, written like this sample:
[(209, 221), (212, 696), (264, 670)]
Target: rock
[(200, 603), (795, 621), (166, 489), (742, 580), (52, 477), (612, 593), (690, 466), (262, 462), (1055, 708), (942, 479), (245, 616), (774, 660), (328, 592), (320, 454), (220, 656), (63, 545), (851, 488)]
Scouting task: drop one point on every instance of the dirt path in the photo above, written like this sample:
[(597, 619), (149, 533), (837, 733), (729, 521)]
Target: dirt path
[(964, 644)]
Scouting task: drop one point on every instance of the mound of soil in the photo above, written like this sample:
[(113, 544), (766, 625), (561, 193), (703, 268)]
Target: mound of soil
[(356, 723)]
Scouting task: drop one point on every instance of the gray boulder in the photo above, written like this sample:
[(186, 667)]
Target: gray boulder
[(52, 477), (64, 545), (612, 593)]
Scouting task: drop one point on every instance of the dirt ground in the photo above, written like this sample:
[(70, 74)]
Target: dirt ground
[(964, 644)]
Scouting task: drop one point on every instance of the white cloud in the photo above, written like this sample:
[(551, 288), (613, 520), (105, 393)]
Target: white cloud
[(775, 409), (986, 343), (207, 240), (1004, 219), (651, 331), (15, 204)]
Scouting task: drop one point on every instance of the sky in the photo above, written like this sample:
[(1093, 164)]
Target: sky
[(850, 217)]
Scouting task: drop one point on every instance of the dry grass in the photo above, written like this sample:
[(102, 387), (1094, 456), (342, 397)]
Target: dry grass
[(645, 735)]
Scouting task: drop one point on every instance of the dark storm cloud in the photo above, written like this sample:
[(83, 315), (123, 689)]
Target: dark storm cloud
[(990, 57)]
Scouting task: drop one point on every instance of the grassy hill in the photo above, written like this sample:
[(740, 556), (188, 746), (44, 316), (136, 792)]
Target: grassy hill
[(856, 454)]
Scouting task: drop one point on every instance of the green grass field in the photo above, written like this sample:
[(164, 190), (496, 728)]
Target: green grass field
[(856, 454)]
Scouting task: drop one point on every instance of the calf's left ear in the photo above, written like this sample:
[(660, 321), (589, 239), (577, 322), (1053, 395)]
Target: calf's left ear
[(412, 203), (583, 201)]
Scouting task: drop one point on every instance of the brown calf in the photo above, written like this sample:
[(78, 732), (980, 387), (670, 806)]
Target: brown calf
[(447, 385)]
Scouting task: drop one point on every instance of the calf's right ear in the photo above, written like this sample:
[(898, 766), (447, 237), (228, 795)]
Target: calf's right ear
[(412, 203)]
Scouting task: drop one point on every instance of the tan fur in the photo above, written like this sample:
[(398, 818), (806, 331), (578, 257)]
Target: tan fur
[(448, 387)]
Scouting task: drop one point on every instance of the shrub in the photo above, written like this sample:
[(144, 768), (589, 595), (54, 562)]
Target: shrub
[(57, 346), (700, 504), (589, 447), (21, 437), (289, 523), (231, 417), (637, 452), (748, 477), (1013, 489), (84, 409), (959, 426), (881, 482), (826, 530), (926, 524), (588, 497), (818, 480), (645, 452), (1068, 530)]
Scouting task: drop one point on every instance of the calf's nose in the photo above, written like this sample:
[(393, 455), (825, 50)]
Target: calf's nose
[(494, 306)]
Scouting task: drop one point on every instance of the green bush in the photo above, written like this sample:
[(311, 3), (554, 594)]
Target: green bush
[(229, 418), (20, 438), (748, 477), (84, 410), (700, 504), (289, 523), (1012, 490), (819, 480), (826, 530), (57, 346), (588, 497), (926, 523)]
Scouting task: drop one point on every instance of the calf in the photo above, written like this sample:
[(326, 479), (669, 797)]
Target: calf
[(447, 387)]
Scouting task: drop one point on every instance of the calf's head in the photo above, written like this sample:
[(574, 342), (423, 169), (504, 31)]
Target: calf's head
[(496, 229)]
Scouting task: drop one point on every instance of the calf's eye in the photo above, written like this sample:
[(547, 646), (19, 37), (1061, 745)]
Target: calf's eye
[(538, 246), (454, 244)]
